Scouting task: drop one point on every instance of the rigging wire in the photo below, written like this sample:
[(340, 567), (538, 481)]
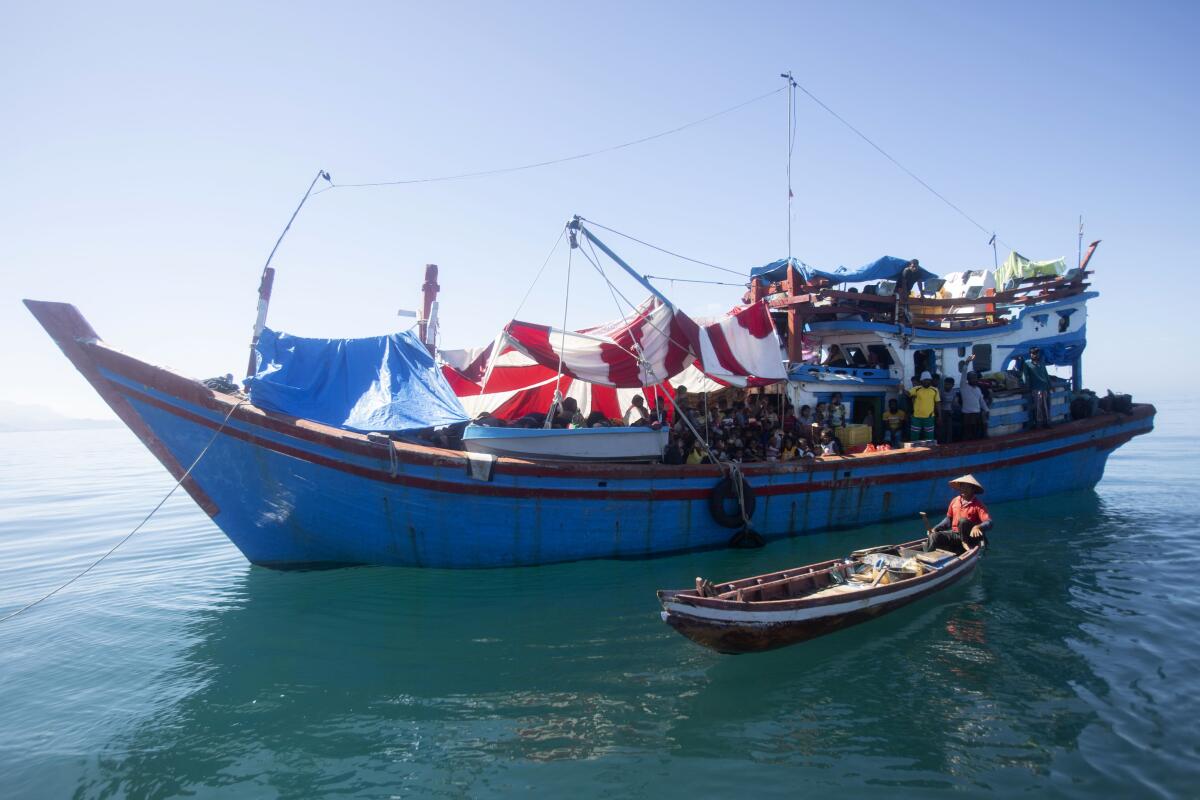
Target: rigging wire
[(693, 280), (137, 527), (791, 87), (663, 249), (557, 404), (905, 169), (541, 269), (553, 161), (496, 343)]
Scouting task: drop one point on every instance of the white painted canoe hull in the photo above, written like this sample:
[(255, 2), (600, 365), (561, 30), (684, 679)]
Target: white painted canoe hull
[(575, 444)]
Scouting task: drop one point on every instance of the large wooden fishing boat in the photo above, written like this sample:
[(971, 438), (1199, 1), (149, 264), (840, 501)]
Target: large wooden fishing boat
[(292, 486), (765, 612)]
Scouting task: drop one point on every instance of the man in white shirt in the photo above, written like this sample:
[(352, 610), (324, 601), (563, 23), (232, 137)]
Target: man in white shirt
[(974, 407)]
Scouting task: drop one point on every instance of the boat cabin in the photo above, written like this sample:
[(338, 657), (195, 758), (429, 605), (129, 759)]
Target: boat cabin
[(871, 341)]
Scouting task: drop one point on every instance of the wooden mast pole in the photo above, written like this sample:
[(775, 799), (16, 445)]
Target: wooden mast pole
[(268, 277), (429, 290)]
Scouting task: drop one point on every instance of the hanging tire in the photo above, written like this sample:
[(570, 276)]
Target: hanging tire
[(724, 496)]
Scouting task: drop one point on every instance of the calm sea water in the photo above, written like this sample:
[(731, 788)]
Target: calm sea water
[(1069, 665)]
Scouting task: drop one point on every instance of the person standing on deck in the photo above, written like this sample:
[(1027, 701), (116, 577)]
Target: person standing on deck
[(974, 407), (837, 411), (924, 401), (967, 520), (893, 425), (1036, 379), (947, 408)]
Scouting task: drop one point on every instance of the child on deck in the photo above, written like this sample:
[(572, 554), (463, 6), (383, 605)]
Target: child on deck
[(893, 424)]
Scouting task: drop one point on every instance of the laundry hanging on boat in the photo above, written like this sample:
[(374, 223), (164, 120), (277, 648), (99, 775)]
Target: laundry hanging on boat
[(382, 383), (1017, 266)]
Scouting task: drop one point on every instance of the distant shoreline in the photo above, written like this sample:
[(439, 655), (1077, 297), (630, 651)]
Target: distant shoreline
[(64, 425)]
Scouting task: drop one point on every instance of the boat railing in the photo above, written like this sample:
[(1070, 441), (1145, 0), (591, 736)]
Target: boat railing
[(817, 301)]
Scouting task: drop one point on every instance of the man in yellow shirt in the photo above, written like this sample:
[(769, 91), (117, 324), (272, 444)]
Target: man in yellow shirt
[(924, 401)]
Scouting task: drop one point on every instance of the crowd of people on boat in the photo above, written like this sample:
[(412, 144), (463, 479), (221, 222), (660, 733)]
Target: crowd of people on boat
[(767, 427)]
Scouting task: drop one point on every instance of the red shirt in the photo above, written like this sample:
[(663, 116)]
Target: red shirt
[(971, 510)]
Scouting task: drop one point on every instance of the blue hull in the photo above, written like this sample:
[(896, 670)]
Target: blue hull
[(291, 493)]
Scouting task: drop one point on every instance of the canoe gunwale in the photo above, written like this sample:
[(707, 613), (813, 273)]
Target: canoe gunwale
[(688, 597)]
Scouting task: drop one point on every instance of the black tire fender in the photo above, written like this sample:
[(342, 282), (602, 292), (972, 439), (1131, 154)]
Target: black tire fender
[(722, 493)]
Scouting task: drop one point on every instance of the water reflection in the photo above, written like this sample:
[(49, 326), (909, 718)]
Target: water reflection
[(357, 681)]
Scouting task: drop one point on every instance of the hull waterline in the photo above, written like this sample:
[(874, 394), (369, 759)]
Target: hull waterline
[(293, 493)]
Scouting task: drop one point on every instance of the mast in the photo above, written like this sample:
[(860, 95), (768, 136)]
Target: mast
[(1079, 258), (268, 275), (791, 142), (427, 325)]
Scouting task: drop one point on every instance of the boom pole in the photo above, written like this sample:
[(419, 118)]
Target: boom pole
[(268, 275), (577, 225)]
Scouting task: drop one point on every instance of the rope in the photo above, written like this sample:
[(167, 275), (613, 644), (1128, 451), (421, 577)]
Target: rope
[(905, 169), (746, 536), (691, 280), (737, 272), (553, 161), (791, 86), (496, 345), (562, 346), (136, 528)]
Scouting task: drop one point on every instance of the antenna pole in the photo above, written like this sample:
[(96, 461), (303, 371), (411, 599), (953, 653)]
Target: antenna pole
[(995, 257), (791, 142), (1079, 262)]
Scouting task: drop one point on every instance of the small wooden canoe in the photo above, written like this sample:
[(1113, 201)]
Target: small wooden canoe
[(782, 608)]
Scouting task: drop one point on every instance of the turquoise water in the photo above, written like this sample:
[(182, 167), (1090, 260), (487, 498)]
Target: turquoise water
[(1069, 665)]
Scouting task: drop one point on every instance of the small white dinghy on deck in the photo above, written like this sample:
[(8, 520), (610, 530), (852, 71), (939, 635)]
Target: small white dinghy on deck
[(567, 444)]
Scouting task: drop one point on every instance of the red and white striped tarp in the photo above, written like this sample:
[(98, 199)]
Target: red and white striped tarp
[(656, 344), (601, 367)]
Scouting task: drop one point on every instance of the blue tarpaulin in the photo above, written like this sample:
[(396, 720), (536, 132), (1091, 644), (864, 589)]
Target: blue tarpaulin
[(384, 383), (887, 268)]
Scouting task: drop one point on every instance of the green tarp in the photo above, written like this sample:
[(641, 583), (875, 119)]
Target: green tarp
[(1017, 266)]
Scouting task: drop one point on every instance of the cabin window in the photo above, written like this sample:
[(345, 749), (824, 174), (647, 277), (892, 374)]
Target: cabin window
[(983, 358), (855, 356), (834, 357), (1064, 320), (883, 356), (924, 361)]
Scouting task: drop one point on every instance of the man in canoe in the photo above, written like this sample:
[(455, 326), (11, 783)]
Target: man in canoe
[(967, 520)]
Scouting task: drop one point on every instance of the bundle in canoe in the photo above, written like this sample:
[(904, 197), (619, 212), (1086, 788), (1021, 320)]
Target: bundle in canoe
[(782, 608)]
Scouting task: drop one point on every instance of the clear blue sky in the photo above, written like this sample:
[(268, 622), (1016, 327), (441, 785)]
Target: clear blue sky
[(152, 153)]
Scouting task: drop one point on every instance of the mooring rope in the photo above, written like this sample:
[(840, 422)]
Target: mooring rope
[(136, 528)]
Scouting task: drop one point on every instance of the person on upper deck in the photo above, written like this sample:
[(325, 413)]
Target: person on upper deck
[(910, 276), (1037, 380), (967, 520), (924, 401)]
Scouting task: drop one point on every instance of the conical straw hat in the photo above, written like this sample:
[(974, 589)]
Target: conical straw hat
[(969, 480)]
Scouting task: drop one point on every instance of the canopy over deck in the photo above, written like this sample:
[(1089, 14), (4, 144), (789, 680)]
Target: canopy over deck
[(382, 383), (885, 268)]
